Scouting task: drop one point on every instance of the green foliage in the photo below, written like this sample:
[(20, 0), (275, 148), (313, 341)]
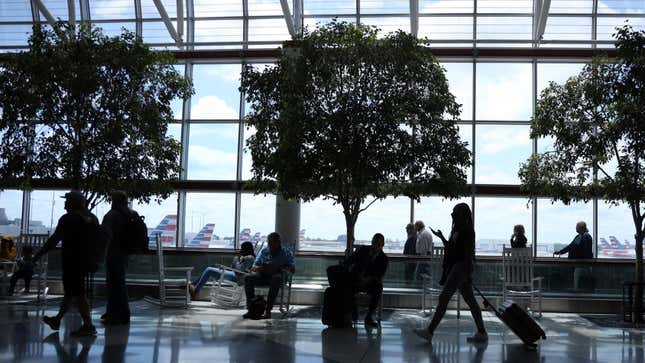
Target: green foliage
[(90, 109), (596, 119), (345, 115)]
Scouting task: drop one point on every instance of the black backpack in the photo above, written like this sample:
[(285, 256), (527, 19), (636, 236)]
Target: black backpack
[(135, 234), (93, 245)]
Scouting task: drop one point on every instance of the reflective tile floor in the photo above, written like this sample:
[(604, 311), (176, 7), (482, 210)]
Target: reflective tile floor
[(204, 334)]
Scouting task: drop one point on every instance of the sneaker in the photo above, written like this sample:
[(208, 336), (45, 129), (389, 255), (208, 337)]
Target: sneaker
[(84, 331), (370, 323), (266, 315), (53, 323), (424, 333), (247, 315), (478, 338)]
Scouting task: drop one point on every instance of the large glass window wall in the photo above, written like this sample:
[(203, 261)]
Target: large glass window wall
[(497, 97)]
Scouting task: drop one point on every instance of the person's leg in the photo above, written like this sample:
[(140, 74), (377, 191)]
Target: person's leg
[(466, 291), (208, 273), (375, 291), (13, 280), (120, 310), (110, 279), (249, 287), (28, 276), (274, 286), (230, 276), (454, 280)]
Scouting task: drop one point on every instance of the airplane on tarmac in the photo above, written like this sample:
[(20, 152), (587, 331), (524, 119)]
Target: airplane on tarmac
[(614, 248)]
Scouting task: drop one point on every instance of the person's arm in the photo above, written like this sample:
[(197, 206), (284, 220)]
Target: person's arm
[(567, 249), (52, 241), (260, 260), (439, 235), (291, 262), (108, 225), (382, 268)]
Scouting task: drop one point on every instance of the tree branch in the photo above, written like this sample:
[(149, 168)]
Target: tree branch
[(603, 170), (372, 202)]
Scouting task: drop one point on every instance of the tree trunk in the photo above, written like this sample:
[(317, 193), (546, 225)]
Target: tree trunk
[(637, 311), (350, 223)]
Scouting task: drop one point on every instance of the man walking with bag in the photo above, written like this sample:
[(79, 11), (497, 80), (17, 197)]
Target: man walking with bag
[(73, 229), (115, 224)]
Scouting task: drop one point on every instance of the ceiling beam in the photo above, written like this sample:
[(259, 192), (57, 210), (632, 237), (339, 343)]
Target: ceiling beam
[(414, 17), (166, 20), (180, 18), (288, 18), (542, 17), (43, 10)]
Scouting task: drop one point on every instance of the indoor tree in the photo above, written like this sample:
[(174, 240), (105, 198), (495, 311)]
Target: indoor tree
[(90, 111), (597, 122), (348, 116)]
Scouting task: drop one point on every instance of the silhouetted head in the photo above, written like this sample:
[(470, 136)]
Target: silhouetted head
[(119, 199), (74, 201), (409, 229), (462, 217), (581, 227), (274, 242), (518, 230), (246, 249), (378, 240), (419, 225)]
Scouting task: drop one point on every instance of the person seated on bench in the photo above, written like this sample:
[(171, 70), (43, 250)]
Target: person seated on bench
[(242, 262), (367, 266), (267, 270), (25, 270), (580, 247)]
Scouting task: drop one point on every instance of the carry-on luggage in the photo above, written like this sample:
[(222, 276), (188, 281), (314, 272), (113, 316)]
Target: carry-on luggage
[(517, 320), (337, 307)]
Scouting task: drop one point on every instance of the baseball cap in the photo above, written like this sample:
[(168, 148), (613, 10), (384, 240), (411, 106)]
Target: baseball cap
[(75, 197)]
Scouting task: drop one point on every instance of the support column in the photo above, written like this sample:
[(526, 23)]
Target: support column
[(287, 221)]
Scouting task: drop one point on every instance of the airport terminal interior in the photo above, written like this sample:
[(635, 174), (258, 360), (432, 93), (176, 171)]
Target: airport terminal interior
[(498, 56)]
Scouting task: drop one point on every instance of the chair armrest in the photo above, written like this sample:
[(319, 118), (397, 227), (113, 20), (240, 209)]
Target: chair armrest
[(228, 268), (539, 281), (424, 276)]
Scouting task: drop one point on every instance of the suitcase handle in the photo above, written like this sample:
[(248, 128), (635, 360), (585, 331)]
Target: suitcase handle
[(486, 302)]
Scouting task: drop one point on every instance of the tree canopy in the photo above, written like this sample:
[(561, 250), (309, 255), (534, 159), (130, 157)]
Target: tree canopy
[(597, 122), (346, 115), (89, 109)]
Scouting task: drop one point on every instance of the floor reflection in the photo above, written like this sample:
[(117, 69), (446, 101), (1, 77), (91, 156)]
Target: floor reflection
[(204, 334)]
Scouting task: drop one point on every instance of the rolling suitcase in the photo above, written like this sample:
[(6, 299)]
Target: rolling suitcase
[(337, 308), (517, 320)]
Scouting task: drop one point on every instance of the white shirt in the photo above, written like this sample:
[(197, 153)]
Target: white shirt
[(424, 242)]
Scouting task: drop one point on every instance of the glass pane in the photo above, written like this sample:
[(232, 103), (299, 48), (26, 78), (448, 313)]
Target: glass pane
[(504, 91), (47, 207), (209, 8), (10, 212), (15, 10), (446, 28), (328, 236), (388, 217), (116, 29), (607, 26), (504, 6), (58, 9), (156, 33), (174, 131), (265, 8), (615, 231), (567, 28), (500, 150), (218, 31), (247, 161), (385, 7), (312, 23), (466, 134), (160, 218), (441, 6), (14, 35), (388, 24), (257, 217), (505, 28), (571, 6), (556, 224), (558, 73), (329, 7), (210, 214), (212, 151), (494, 222), (216, 91), (267, 30), (460, 80), (112, 9), (621, 7), (149, 10)]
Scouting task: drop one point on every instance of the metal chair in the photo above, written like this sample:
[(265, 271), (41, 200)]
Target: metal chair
[(173, 292), (518, 279), (363, 298), (430, 288), (225, 293)]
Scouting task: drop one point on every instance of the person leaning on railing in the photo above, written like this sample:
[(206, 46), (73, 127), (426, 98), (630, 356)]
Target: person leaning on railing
[(580, 247)]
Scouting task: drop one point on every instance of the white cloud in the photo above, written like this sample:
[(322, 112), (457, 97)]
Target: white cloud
[(212, 107), (497, 139)]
